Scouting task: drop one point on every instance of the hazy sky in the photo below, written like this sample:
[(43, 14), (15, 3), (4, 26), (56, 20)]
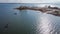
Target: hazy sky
[(29, 1)]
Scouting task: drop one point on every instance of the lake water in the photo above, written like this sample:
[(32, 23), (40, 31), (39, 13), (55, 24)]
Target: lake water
[(27, 21)]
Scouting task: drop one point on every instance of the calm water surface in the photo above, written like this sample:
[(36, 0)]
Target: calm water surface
[(27, 21)]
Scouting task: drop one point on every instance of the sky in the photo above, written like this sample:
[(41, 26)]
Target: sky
[(29, 1)]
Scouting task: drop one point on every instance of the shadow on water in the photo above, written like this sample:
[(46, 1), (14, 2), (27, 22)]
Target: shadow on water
[(27, 23), (15, 13)]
